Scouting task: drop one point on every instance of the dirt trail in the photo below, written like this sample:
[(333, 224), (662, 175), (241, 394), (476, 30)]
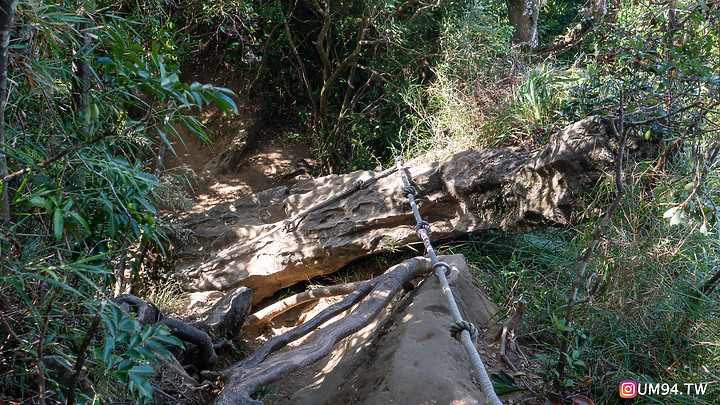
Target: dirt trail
[(265, 164), (267, 161)]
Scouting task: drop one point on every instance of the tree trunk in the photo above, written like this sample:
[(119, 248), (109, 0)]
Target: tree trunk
[(6, 18), (81, 78), (523, 16), (596, 14), (270, 240)]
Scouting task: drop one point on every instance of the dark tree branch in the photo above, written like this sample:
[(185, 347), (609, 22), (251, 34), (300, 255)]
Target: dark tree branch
[(560, 45), (81, 68), (7, 13), (70, 393), (57, 157), (301, 64), (632, 124)]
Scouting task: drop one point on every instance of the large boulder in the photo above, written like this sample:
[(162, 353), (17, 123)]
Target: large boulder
[(505, 189), (409, 356)]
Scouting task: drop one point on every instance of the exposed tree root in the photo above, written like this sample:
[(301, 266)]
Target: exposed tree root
[(244, 379), (149, 313), (262, 318)]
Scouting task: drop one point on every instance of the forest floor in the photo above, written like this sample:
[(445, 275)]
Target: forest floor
[(269, 159)]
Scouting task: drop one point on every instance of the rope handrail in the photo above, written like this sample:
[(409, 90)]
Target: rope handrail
[(462, 330)]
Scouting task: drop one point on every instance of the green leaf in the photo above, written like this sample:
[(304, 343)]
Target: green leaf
[(108, 348), (106, 61), (146, 353), (141, 384), (110, 324), (133, 354), (148, 206), (158, 348), (80, 220), (137, 48), (125, 365), (135, 340), (129, 325), (113, 226), (143, 369), (224, 102), (503, 383), (122, 337), (58, 224), (169, 339), (38, 202), (147, 332)]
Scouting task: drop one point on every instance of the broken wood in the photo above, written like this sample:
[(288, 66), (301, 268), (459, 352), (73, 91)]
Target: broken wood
[(243, 381), (263, 317)]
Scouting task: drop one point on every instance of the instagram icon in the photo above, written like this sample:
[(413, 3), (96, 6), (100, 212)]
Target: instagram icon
[(628, 389)]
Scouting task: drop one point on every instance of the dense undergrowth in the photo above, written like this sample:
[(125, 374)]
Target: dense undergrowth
[(641, 315), (396, 78)]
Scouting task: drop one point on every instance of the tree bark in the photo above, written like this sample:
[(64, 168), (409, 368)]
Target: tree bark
[(81, 78), (562, 44), (523, 16), (7, 13)]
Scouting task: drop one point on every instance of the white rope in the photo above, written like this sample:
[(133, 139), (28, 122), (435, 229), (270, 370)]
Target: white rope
[(423, 230)]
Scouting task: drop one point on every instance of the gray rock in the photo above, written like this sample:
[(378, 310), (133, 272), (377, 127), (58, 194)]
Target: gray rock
[(410, 357)]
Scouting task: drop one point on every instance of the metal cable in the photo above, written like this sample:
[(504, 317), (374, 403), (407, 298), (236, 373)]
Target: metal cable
[(465, 329)]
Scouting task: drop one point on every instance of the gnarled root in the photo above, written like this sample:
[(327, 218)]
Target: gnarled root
[(246, 377), (149, 313)]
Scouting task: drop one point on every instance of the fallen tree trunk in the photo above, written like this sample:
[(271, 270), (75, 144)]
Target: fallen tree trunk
[(241, 382), (471, 191)]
